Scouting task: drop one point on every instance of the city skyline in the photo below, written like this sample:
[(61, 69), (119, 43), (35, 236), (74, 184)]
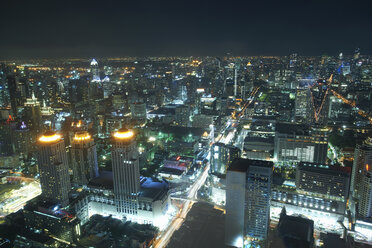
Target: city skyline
[(186, 124)]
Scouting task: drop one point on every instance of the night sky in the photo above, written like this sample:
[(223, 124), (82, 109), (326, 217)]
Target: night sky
[(80, 28)]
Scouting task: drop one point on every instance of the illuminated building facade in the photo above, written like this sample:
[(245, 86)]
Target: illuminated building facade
[(322, 181), (83, 158), (362, 163), (53, 168), (125, 168), (365, 200), (247, 201), (222, 156), (32, 110), (44, 215), (94, 70), (361, 179), (301, 105), (295, 143)]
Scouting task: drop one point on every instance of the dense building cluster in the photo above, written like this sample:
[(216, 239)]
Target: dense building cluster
[(275, 142)]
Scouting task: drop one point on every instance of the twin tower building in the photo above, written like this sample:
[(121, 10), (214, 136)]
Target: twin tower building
[(54, 167)]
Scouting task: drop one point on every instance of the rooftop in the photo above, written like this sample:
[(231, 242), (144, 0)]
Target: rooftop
[(242, 165)]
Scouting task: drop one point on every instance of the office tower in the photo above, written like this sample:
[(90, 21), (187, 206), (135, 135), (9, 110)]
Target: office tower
[(295, 143), (32, 113), (183, 93), (301, 105), (53, 168), (78, 90), (138, 110), (118, 102), (13, 93), (83, 158), (94, 71), (319, 102), (182, 115), (6, 142), (221, 157), (247, 201), (125, 169), (322, 181), (362, 158), (198, 105), (365, 199), (24, 140)]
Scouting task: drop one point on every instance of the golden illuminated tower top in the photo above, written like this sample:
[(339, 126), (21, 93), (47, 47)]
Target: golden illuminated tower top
[(82, 136), (124, 134), (50, 137)]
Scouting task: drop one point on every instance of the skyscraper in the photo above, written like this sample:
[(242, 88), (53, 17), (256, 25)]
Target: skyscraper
[(83, 158), (33, 113), (125, 168), (361, 178), (362, 161), (365, 199), (53, 168), (222, 156), (247, 201), (295, 143), (94, 70), (12, 88)]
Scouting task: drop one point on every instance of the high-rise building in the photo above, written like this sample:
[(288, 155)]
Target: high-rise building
[(32, 113), (362, 161), (138, 110), (183, 115), (361, 178), (94, 71), (365, 199), (222, 156), (6, 142), (78, 90), (295, 143), (83, 158), (125, 169), (322, 181), (53, 168), (13, 93), (24, 141), (247, 201), (301, 105)]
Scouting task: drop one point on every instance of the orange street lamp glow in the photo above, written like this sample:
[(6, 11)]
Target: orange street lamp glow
[(50, 138), (123, 134)]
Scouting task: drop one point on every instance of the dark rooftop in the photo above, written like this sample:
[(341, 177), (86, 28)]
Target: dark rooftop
[(104, 180), (153, 188), (297, 129), (242, 165)]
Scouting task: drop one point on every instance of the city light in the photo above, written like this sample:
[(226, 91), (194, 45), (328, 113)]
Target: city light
[(82, 136), (50, 138), (123, 134)]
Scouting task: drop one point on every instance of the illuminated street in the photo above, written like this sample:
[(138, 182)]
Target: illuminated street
[(176, 223)]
